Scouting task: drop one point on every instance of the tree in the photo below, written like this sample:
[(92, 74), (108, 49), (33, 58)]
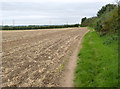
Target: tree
[(83, 19), (107, 8)]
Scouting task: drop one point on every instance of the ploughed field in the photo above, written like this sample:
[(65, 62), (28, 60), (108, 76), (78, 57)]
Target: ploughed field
[(35, 58)]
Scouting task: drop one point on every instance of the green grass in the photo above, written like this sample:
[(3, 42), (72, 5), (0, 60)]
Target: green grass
[(97, 65)]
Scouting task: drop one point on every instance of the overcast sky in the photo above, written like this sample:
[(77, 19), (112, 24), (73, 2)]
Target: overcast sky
[(43, 12)]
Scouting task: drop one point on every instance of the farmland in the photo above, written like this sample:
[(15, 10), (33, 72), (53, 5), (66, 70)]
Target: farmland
[(35, 58)]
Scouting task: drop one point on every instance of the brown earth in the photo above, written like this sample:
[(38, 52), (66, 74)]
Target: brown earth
[(40, 58)]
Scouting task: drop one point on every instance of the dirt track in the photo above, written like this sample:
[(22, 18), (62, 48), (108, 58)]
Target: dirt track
[(37, 58)]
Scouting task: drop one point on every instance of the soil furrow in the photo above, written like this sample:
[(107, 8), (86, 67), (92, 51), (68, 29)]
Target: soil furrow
[(36, 58)]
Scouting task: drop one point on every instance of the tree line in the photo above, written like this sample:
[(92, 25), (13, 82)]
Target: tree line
[(37, 27), (106, 21)]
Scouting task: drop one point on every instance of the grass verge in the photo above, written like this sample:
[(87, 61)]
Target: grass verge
[(97, 64)]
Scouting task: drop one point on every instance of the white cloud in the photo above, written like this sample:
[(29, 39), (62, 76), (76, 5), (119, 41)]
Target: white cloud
[(44, 11)]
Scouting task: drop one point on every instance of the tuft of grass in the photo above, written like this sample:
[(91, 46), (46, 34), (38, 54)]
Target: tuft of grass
[(97, 64)]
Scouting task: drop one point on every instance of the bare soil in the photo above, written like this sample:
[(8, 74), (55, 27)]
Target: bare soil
[(38, 58)]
